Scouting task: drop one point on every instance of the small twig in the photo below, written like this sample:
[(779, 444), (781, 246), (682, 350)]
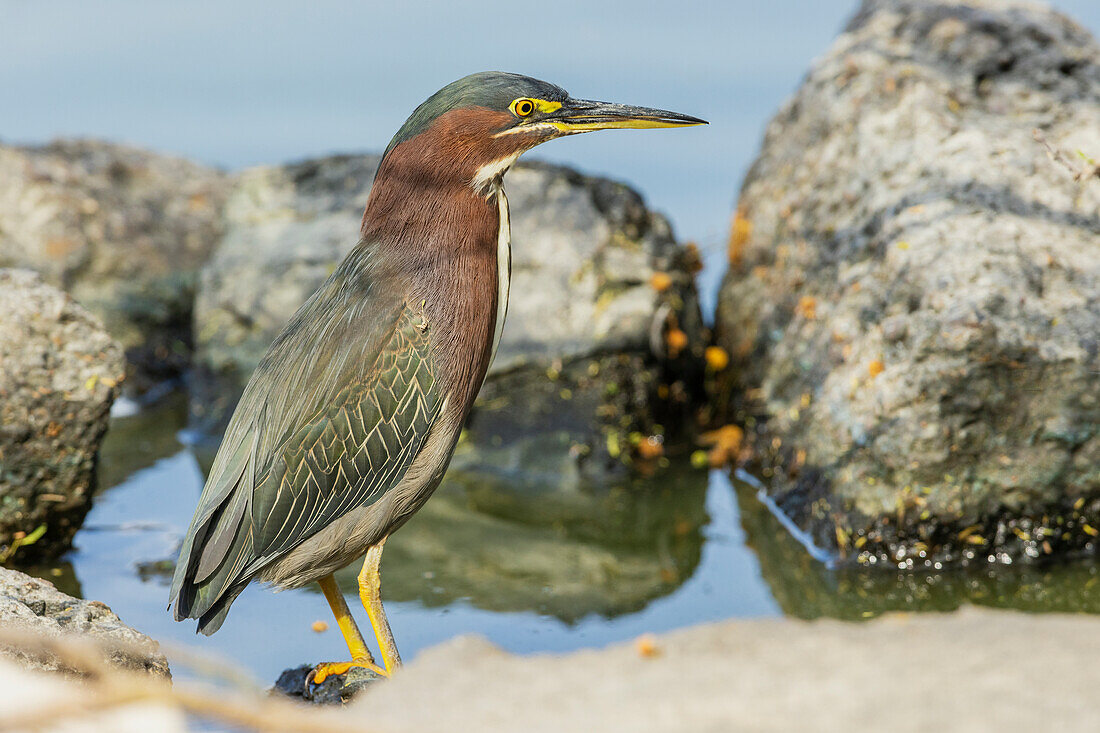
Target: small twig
[(1081, 172)]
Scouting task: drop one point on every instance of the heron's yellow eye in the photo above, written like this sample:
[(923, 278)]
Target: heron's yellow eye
[(523, 107)]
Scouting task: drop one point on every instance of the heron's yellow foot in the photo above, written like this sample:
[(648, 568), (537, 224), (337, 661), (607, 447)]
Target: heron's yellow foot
[(325, 670), (361, 656)]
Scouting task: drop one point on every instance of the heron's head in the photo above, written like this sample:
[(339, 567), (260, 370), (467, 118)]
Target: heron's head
[(476, 127)]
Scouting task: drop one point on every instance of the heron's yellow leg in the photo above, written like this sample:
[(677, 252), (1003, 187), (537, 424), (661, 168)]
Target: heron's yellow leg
[(360, 654), (370, 593)]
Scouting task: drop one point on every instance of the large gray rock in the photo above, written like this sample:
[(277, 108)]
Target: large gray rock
[(59, 373), (913, 301), (122, 230), (286, 229), (585, 252), (34, 606)]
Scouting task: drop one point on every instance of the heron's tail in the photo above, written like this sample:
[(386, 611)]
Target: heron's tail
[(211, 570)]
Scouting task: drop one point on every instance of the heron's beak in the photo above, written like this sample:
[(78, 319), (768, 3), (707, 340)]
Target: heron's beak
[(582, 115)]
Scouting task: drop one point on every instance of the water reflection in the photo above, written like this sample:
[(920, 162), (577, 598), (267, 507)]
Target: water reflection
[(515, 526), (62, 574), (805, 588), (566, 551), (531, 567), (606, 552), (609, 553), (140, 440)]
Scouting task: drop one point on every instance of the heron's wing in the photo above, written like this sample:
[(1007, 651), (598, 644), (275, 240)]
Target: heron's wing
[(330, 420), (353, 450)]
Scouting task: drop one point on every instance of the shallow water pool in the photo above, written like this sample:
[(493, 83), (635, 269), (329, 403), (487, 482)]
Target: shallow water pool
[(531, 574)]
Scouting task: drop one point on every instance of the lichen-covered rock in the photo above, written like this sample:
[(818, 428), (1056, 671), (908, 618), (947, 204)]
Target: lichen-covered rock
[(35, 606), (124, 231), (59, 373), (913, 302), (594, 274)]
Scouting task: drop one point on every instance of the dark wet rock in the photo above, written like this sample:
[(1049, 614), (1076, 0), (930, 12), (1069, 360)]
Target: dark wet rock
[(292, 682), (335, 690), (156, 569), (585, 253), (124, 231), (805, 588), (37, 607), (912, 303), (576, 425), (59, 373)]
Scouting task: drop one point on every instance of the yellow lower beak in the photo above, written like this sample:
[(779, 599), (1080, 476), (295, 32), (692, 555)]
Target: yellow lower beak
[(582, 115)]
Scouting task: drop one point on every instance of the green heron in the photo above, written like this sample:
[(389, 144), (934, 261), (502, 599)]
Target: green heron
[(348, 423)]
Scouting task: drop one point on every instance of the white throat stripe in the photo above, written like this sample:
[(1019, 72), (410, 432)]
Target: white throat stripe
[(488, 174)]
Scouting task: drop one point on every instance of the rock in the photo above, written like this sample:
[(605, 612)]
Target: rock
[(596, 277), (765, 675), (286, 228), (692, 679), (584, 254), (53, 704), (59, 374), (912, 302), (124, 231), (336, 689), (803, 587), (37, 607)]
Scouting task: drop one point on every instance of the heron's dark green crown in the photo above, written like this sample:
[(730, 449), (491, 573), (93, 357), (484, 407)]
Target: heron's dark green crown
[(493, 90)]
